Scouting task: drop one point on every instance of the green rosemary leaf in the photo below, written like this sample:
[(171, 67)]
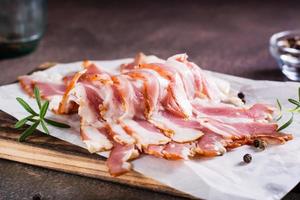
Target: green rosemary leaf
[(44, 109), (37, 97), (33, 120), (279, 104), (44, 127), (285, 125), (28, 131), (293, 101), (26, 106), (299, 93), (296, 109), (57, 124), (279, 117), (23, 121)]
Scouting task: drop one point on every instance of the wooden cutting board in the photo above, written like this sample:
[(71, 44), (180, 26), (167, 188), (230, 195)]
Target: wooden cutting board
[(48, 152)]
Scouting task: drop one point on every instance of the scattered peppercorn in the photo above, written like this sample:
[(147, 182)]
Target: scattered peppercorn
[(247, 158), (241, 96), (256, 143), (260, 144), (263, 145)]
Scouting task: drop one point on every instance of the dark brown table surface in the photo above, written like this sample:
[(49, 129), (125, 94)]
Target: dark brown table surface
[(225, 36)]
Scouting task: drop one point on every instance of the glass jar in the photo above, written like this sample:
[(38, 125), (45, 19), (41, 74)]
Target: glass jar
[(22, 24), (285, 48)]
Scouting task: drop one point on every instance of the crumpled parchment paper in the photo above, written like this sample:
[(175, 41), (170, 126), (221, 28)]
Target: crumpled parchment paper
[(271, 174)]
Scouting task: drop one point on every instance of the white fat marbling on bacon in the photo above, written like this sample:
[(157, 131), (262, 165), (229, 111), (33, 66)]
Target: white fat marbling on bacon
[(87, 98), (95, 139), (117, 161), (127, 92), (227, 113), (119, 134), (47, 88), (182, 130), (151, 87), (144, 132), (176, 100), (211, 144), (172, 150), (186, 75), (176, 151), (170, 109)]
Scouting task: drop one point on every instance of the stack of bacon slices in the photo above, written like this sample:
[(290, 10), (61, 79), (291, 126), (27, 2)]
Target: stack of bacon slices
[(170, 109)]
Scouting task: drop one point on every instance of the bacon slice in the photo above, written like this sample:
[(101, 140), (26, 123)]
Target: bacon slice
[(182, 130), (144, 132), (151, 89), (211, 144), (140, 58), (117, 161), (256, 112), (46, 89), (120, 135), (95, 139), (169, 109), (172, 151), (176, 101)]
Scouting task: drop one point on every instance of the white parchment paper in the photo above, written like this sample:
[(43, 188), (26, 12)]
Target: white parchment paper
[(271, 174)]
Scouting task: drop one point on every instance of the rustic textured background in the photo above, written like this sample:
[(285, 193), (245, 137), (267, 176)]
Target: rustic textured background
[(224, 36)]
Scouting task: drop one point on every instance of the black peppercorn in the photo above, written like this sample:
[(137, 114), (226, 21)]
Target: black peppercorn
[(260, 144), (241, 95), (247, 158), (256, 143), (263, 145)]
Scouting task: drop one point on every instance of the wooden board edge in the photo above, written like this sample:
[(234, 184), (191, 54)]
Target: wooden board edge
[(51, 159)]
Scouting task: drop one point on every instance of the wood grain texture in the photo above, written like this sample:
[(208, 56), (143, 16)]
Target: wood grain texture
[(48, 152)]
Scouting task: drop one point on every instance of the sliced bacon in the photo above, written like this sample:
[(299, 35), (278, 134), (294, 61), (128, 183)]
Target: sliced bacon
[(119, 135), (182, 130), (211, 144), (172, 150), (47, 89), (151, 89), (205, 87), (176, 101), (144, 133), (186, 75), (255, 112), (139, 59), (170, 109), (176, 151), (249, 131), (117, 161), (155, 150), (95, 139), (64, 105)]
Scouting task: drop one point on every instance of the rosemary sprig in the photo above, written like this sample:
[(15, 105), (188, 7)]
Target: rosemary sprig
[(36, 118), (280, 110), (286, 124), (294, 102)]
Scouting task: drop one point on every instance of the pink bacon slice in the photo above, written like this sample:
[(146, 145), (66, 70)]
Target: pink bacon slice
[(119, 156), (47, 89), (169, 109)]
